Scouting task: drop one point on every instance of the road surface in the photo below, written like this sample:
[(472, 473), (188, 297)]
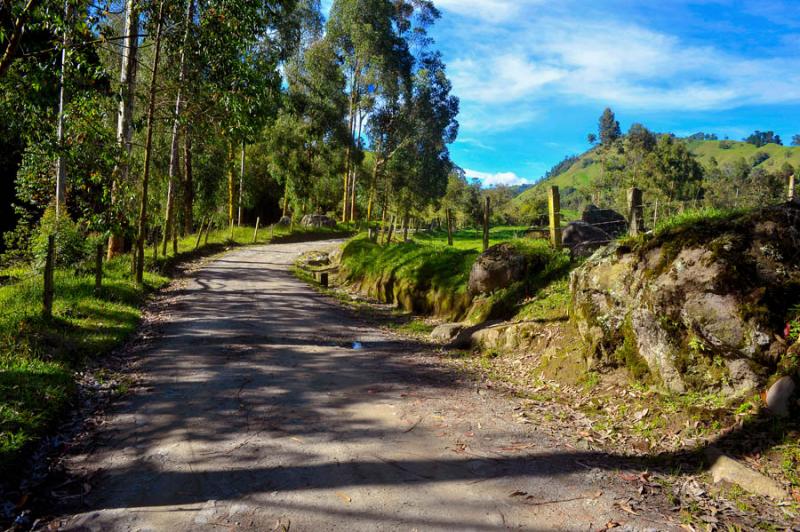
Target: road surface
[(258, 410)]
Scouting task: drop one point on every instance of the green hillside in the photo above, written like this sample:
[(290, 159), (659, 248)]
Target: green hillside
[(586, 168)]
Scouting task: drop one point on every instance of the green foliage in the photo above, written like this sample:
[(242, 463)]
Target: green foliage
[(608, 128), (761, 138), (71, 245)]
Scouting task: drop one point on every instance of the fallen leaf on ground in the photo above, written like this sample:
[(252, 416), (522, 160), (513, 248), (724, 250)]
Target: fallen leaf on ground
[(345, 497)]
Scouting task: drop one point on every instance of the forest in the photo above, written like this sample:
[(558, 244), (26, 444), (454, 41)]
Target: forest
[(134, 121)]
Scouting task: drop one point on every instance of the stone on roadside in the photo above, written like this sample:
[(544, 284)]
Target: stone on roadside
[(779, 396), (608, 220), (446, 332), (317, 220), (724, 468), (583, 239), (498, 267)]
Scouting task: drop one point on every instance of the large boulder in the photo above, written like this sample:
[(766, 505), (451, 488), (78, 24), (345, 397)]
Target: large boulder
[(608, 220), (583, 239), (317, 220), (498, 267), (285, 221), (701, 307)]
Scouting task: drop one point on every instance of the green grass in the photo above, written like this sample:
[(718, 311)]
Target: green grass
[(471, 239), (426, 276), (551, 303), (39, 357)]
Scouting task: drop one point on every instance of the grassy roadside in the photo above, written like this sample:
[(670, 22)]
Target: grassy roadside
[(39, 358), (426, 276)]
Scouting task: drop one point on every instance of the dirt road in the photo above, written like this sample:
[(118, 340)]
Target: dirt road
[(257, 412)]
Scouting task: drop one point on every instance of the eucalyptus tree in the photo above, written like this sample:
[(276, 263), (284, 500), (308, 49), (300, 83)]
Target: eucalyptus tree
[(364, 34), (423, 164)]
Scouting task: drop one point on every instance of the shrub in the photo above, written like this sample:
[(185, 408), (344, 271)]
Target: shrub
[(725, 144), (71, 246), (759, 157)]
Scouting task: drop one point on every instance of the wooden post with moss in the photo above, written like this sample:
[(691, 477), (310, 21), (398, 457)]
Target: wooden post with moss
[(200, 233), (449, 228), (554, 213), (792, 191), (635, 212), (208, 230), (486, 210), (255, 233), (49, 266), (98, 267)]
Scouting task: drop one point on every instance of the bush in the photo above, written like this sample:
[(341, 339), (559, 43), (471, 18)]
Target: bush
[(71, 246), (725, 144), (759, 157)]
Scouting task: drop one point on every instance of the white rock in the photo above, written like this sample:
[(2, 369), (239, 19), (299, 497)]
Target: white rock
[(778, 396)]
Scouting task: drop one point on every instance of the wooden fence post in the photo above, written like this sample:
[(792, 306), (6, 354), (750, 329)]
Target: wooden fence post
[(231, 236), (554, 213), (391, 230), (449, 228), (655, 214), (199, 233), (49, 266), (486, 210), (98, 268), (635, 212), (208, 230), (792, 192), (255, 233)]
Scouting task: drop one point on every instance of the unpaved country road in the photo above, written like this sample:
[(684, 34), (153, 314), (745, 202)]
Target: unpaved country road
[(257, 413)]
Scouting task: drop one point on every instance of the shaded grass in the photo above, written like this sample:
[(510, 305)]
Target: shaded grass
[(39, 357)]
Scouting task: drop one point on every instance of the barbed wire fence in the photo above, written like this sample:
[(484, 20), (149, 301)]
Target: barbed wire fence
[(644, 216)]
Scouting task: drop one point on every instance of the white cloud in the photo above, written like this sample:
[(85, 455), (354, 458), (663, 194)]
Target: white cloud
[(492, 180), (503, 78), (506, 70)]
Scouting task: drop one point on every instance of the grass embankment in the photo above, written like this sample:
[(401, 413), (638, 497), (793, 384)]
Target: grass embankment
[(426, 276), (39, 357)]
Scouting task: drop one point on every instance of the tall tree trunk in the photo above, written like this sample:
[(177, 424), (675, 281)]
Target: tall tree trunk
[(127, 81), (148, 151), (286, 198), (354, 180), (188, 185), (348, 163), (61, 167), (372, 188), (169, 217), (241, 186), (230, 183)]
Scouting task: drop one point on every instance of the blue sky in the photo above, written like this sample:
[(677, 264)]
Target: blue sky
[(534, 75)]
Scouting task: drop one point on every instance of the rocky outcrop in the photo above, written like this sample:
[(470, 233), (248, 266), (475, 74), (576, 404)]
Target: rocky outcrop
[(608, 220), (583, 239), (446, 332), (317, 220), (498, 267), (700, 307)]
